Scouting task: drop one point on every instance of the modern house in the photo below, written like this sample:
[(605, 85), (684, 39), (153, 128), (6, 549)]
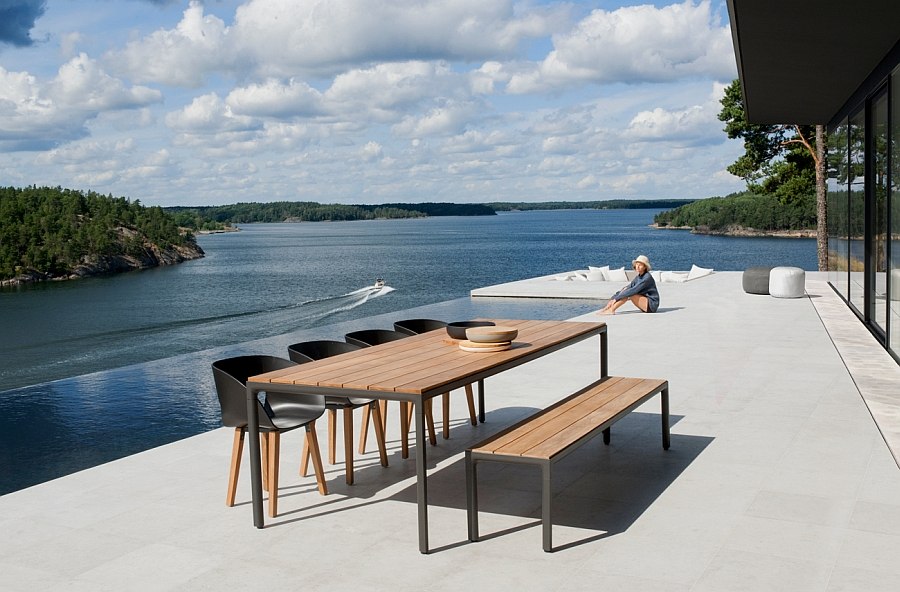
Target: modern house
[(837, 63)]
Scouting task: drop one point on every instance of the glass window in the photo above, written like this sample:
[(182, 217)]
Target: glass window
[(838, 210), (877, 264), (857, 208), (894, 228)]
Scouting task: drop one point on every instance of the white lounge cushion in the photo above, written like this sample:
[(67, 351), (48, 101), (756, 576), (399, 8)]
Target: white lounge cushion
[(673, 276), (603, 270), (563, 277), (596, 275), (618, 275), (698, 272)]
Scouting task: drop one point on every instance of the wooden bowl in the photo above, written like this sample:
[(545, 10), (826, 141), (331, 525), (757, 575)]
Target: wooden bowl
[(494, 334)]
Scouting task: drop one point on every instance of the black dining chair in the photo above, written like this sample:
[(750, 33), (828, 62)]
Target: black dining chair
[(278, 413), (309, 351), (369, 338), (416, 326)]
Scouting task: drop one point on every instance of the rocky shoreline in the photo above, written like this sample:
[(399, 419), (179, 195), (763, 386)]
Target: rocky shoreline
[(740, 231), (95, 265)]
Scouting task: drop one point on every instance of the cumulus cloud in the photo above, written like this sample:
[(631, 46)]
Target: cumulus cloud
[(276, 99), (692, 125), (451, 117), (17, 18), (372, 151), (37, 115), (184, 56), (634, 44), (208, 114), (286, 38)]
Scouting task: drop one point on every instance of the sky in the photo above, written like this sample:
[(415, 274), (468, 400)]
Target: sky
[(366, 101)]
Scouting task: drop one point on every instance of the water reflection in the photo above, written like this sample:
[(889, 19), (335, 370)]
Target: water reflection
[(52, 429)]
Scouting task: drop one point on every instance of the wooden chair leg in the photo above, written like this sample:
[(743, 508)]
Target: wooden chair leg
[(364, 431), (384, 406), (365, 424), (445, 412), (316, 457), (304, 458), (274, 453), (379, 436), (348, 445), (470, 400), (332, 428), (237, 449)]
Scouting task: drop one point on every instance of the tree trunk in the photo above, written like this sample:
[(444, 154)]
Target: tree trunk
[(821, 204)]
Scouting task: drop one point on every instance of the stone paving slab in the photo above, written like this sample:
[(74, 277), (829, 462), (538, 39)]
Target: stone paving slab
[(778, 478)]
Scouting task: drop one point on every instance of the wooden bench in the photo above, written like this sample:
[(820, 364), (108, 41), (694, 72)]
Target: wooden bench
[(552, 433)]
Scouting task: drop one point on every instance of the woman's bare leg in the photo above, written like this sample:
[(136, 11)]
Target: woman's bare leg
[(613, 306), (641, 302)]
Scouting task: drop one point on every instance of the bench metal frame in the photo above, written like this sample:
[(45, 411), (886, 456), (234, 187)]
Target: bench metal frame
[(546, 465)]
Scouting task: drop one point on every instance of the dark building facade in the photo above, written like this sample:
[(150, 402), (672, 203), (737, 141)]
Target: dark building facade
[(837, 63)]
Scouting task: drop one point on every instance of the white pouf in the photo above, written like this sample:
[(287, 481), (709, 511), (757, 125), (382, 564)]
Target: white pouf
[(787, 282)]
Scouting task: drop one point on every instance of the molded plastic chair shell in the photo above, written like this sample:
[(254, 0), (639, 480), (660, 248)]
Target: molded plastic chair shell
[(278, 413), (370, 337), (416, 326), (310, 351)]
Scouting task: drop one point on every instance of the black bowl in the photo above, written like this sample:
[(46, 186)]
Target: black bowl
[(457, 330)]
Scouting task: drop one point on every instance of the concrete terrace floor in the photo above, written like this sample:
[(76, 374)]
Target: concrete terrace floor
[(778, 478)]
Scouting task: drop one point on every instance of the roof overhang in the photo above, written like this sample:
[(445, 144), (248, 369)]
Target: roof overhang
[(800, 61)]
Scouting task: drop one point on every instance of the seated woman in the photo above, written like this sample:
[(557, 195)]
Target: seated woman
[(641, 291)]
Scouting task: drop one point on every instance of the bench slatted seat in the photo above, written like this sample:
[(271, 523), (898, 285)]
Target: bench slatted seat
[(549, 435)]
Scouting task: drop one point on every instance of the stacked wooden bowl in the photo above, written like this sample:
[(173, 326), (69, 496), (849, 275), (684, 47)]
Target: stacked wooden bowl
[(488, 339)]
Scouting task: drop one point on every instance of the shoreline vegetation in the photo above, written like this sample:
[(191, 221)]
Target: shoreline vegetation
[(744, 214), (50, 234)]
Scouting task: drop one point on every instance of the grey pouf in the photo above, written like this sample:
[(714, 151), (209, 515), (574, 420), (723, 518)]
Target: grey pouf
[(756, 280), (787, 282)]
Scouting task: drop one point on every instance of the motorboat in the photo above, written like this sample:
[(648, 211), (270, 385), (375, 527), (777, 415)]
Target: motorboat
[(379, 283)]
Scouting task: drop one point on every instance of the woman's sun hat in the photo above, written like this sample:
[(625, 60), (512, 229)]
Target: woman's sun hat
[(642, 259)]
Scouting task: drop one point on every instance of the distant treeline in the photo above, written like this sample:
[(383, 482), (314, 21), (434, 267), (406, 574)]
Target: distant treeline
[(307, 211), (744, 209), (52, 230), (610, 204)]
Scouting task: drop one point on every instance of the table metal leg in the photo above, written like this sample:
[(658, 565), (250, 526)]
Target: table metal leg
[(421, 476), (604, 356), (481, 401), (255, 463), (665, 418)]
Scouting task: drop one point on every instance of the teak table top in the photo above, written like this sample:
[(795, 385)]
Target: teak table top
[(426, 364)]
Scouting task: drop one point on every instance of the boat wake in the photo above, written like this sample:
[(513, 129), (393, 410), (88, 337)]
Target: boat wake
[(101, 350)]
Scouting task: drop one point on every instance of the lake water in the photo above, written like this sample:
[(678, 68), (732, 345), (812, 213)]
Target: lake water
[(96, 369)]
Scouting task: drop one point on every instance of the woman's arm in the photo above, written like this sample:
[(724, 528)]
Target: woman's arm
[(637, 286)]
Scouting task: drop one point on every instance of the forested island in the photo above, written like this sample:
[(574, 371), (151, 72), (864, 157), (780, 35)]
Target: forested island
[(307, 211), (745, 214), (49, 233), (609, 204)]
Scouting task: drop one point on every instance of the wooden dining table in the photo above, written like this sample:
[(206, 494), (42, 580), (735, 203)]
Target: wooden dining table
[(412, 371)]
